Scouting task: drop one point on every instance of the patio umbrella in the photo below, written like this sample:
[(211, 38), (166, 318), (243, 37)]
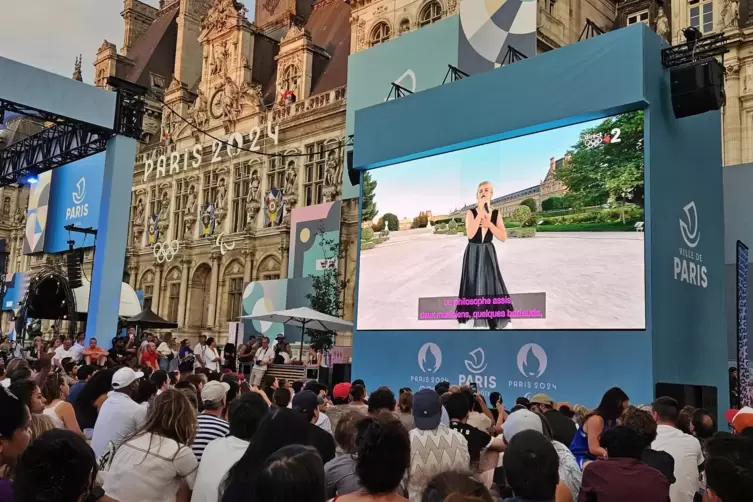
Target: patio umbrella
[(304, 318), (147, 319)]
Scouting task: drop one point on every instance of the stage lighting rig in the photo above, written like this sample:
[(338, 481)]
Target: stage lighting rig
[(454, 74), (397, 91), (695, 48)]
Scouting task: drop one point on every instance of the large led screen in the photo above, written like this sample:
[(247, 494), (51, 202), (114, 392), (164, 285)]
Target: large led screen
[(537, 232)]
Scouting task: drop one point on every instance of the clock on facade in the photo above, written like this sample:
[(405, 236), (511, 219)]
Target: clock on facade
[(215, 107)]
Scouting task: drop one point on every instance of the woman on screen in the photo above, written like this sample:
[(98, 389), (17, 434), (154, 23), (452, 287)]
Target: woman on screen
[(481, 277)]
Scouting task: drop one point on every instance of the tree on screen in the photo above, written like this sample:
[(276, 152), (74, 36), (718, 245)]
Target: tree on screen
[(609, 168), (369, 207), (327, 289), (530, 203)]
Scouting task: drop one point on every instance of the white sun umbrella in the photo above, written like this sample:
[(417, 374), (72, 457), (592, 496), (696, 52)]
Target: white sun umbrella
[(304, 318)]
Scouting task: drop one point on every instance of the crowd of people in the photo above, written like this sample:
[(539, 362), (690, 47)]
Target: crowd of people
[(101, 430)]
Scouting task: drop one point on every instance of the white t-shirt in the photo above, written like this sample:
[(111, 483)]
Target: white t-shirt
[(61, 353), (164, 349), (78, 349), (119, 417), (263, 354), (198, 352), (323, 422), (150, 467), (686, 450), (212, 359), (218, 457)]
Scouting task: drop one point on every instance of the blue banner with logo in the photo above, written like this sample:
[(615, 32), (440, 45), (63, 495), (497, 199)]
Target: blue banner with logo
[(75, 195)]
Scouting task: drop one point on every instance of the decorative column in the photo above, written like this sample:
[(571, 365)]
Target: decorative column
[(157, 287), (248, 265), (185, 263), (732, 140), (133, 275), (284, 243), (213, 288)]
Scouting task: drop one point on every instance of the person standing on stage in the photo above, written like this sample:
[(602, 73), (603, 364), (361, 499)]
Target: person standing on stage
[(481, 276), (264, 357)]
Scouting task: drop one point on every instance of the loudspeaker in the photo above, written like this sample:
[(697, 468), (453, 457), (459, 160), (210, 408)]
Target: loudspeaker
[(697, 88), (354, 175), (74, 269)]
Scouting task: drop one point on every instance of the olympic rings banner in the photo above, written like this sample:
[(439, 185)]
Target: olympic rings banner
[(165, 252)]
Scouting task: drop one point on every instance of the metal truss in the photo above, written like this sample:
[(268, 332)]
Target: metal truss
[(512, 55), (68, 140), (454, 74), (590, 30), (695, 50), (397, 91)]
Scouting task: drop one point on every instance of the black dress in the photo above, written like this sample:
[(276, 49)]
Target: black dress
[(482, 278)]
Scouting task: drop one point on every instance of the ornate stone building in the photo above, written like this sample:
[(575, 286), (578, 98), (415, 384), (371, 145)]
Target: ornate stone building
[(242, 118)]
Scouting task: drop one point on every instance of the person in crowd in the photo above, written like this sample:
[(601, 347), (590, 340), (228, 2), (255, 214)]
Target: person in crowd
[(55, 391), (293, 474), (531, 467), (480, 416), (358, 397), (740, 421), (63, 351), (119, 416), (269, 385), (458, 409), (78, 347), (198, 352), (145, 392), (198, 380), (434, 447), (4, 380), (404, 411), (245, 414), (585, 445), (39, 424), (37, 350), (622, 477), (279, 428), (30, 394), (212, 425), (729, 469), (281, 398), (160, 379), (383, 456), (494, 399), (91, 398), (566, 410), (118, 355), (442, 387), (704, 426), (306, 403), (340, 472), (95, 355), (684, 448), (568, 471), (265, 355), (57, 342), (165, 351), (563, 428), (381, 400), (185, 357), (320, 390), (57, 466), (580, 414), (282, 352), (734, 388), (156, 462), (644, 424), (212, 359), (459, 486), (150, 357), (340, 406), (14, 438), (685, 420), (83, 374)]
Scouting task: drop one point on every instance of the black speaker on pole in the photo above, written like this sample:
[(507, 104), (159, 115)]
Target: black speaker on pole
[(74, 268), (697, 88), (353, 174)]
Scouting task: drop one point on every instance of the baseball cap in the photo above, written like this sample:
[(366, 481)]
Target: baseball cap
[(542, 399), (740, 419), (214, 391), (281, 336), (341, 390), (522, 420), (125, 377), (305, 401), (427, 409)]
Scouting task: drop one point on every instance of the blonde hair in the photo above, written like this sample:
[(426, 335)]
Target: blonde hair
[(485, 183), (580, 413), (40, 424)]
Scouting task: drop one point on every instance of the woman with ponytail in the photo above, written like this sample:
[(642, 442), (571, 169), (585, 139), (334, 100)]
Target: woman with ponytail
[(382, 452)]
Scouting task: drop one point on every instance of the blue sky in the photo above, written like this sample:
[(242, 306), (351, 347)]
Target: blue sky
[(445, 182)]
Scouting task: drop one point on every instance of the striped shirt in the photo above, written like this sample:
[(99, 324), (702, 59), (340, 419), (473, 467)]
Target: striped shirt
[(210, 428)]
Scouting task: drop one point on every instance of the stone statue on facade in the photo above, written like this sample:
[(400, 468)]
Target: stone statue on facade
[(138, 214), (254, 187), (662, 24), (332, 177), (219, 62), (164, 214), (19, 217), (253, 204), (291, 175), (222, 13), (231, 104), (252, 95), (200, 111), (191, 202), (730, 13), (222, 194)]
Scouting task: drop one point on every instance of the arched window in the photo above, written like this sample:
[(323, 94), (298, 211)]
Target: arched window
[(404, 26), (430, 13), (380, 33), (290, 78)]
